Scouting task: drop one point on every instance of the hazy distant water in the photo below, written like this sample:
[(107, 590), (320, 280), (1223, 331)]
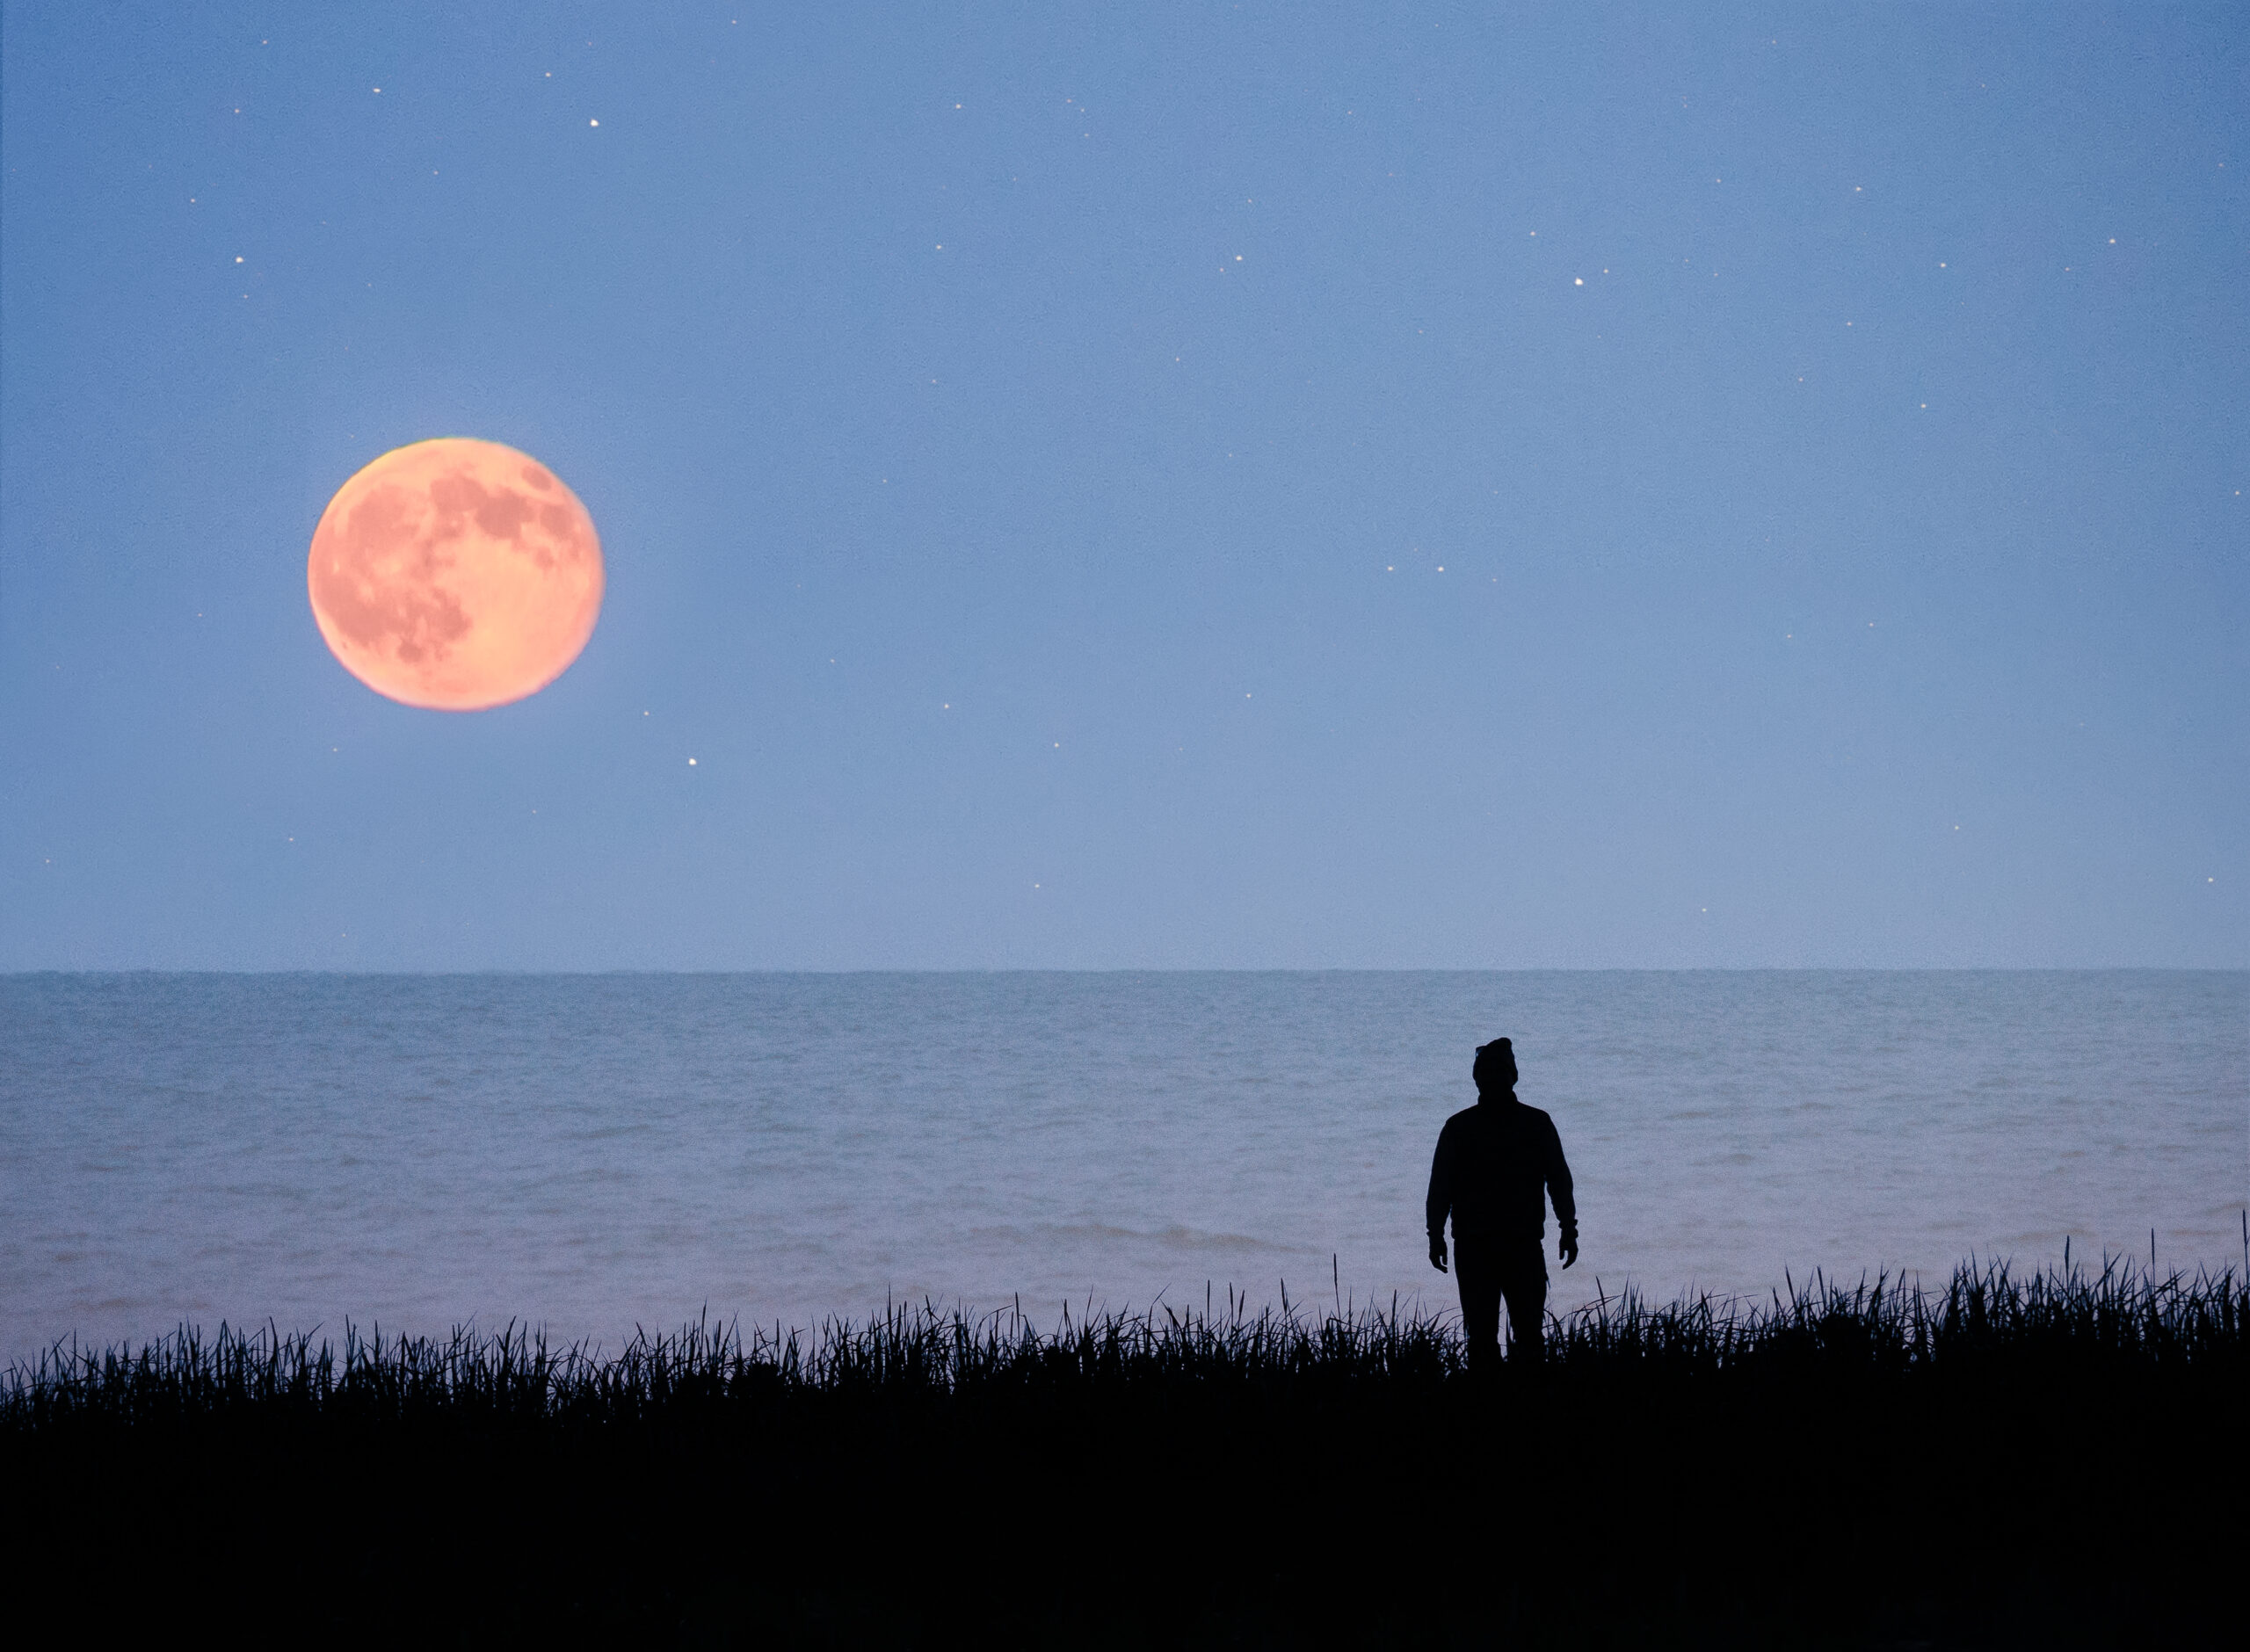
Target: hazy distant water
[(594, 1151)]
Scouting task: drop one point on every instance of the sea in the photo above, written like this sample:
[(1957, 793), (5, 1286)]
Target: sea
[(593, 1154)]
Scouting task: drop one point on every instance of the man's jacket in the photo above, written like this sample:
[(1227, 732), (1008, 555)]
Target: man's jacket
[(1497, 1163)]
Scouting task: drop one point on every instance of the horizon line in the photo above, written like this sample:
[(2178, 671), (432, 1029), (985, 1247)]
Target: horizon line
[(1155, 969)]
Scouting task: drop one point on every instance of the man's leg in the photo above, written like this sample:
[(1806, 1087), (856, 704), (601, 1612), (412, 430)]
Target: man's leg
[(1523, 1279), (1473, 1266)]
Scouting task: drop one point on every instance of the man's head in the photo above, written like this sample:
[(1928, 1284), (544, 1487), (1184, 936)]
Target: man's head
[(1495, 1068)]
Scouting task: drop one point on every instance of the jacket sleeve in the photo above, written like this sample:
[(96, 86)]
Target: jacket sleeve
[(1439, 1205), (1558, 1184)]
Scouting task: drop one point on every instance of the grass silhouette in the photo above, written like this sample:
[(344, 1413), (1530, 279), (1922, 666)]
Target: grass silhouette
[(2011, 1460)]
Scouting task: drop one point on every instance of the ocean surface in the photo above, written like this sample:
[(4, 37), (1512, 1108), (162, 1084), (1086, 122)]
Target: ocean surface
[(592, 1153)]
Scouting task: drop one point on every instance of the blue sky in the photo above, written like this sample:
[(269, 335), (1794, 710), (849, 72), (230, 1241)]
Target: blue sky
[(1218, 485)]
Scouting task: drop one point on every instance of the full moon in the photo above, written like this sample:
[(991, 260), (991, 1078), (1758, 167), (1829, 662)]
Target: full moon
[(455, 574)]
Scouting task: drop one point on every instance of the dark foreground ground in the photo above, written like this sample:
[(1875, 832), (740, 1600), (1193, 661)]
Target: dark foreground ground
[(2052, 1462)]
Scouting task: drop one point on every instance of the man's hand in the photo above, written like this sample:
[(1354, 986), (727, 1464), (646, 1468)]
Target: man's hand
[(1570, 1251), (1437, 1252)]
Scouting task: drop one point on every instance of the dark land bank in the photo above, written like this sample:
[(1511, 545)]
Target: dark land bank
[(2054, 1460)]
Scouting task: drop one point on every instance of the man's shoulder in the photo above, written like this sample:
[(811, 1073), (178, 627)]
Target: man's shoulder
[(1465, 1119), (1540, 1133)]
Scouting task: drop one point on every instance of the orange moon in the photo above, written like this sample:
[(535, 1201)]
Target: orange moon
[(455, 574)]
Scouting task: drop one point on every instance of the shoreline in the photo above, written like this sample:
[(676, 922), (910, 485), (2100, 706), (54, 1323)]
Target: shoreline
[(1843, 1467)]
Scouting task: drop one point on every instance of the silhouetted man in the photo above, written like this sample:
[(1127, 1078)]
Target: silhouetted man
[(1497, 1164)]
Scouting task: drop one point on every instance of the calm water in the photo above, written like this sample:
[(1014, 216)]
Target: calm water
[(596, 1151)]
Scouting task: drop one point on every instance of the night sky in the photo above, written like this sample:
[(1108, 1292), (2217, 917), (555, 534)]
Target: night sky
[(1141, 486)]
